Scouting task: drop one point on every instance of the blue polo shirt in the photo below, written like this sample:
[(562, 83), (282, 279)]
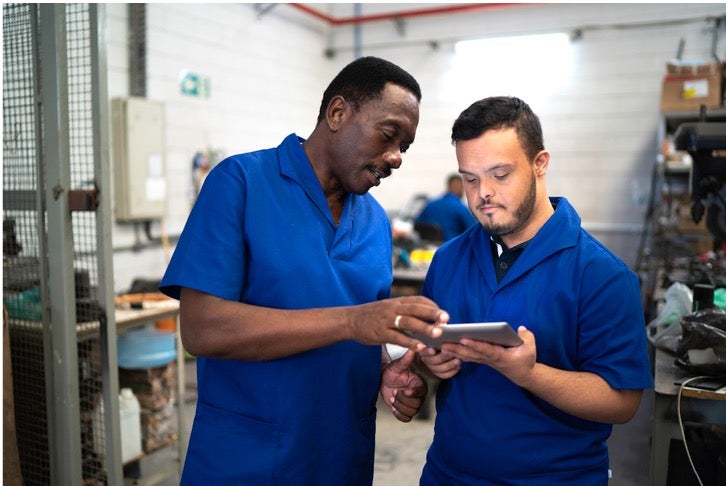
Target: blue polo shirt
[(583, 305), (261, 233)]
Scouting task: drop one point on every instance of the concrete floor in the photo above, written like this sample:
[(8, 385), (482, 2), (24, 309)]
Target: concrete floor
[(401, 447)]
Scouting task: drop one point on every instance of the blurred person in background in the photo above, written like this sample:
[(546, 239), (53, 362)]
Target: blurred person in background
[(448, 212)]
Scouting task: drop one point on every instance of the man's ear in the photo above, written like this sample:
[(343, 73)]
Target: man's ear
[(541, 162), (336, 112)]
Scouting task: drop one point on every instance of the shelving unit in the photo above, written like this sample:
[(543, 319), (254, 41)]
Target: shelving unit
[(671, 239), (675, 250)]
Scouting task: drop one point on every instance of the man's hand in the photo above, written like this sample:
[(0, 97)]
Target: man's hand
[(441, 364), (403, 390), (516, 363), (392, 320)]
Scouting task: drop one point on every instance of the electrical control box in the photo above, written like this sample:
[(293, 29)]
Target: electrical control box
[(140, 187)]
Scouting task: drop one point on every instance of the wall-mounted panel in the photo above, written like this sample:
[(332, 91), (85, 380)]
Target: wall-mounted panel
[(138, 158)]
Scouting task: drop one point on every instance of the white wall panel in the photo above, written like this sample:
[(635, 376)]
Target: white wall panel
[(268, 73)]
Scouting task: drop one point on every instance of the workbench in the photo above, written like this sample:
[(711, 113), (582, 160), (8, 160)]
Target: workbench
[(408, 281), (708, 406)]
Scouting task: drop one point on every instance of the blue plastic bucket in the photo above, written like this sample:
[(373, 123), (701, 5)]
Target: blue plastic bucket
[(145, 348)]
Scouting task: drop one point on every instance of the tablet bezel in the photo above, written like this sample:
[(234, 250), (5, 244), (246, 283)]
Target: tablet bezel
[(500, 333)]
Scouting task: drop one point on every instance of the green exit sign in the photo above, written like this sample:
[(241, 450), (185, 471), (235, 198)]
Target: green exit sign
[(194, 85)]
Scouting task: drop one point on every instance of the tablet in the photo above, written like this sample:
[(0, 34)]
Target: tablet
[(500, 333)]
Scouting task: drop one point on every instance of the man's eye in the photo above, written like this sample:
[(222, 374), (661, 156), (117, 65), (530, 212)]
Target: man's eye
[(501, 177)]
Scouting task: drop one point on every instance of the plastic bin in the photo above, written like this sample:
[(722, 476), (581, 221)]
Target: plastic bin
[(147, 347)]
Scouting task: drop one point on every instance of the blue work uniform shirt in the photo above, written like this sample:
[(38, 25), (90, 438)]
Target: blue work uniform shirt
[(261, 232), (449, 214), (583, 305)]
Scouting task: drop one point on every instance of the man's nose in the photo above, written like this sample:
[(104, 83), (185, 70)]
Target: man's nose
[(394, 158)]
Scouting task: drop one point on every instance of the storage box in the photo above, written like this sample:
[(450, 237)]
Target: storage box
[(693, 69), (687, 92)]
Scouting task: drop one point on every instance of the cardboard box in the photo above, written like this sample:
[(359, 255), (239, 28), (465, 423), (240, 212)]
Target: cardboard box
[(693, 69), (687, 92)]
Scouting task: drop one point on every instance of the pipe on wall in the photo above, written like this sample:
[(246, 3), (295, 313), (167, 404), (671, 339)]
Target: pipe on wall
[(359, 19)]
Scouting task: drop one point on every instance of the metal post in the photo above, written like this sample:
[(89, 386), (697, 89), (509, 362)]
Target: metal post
[(357, 33), (64, 401), (104, 225)]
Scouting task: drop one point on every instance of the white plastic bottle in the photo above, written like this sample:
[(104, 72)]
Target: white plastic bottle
[(130, 412), (130, 422)]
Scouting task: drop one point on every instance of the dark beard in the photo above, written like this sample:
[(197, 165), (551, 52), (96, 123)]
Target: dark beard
[(521, 214)]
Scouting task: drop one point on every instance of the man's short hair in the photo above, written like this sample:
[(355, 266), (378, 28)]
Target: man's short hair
[(364, 79), (495, 113)]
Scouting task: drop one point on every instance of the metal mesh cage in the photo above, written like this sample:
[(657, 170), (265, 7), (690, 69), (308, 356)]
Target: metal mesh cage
[(26, 291), (22, 190), (84, 236)]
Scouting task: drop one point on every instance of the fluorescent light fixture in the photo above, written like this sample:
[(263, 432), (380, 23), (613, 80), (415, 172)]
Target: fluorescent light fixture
[(529, 66)]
